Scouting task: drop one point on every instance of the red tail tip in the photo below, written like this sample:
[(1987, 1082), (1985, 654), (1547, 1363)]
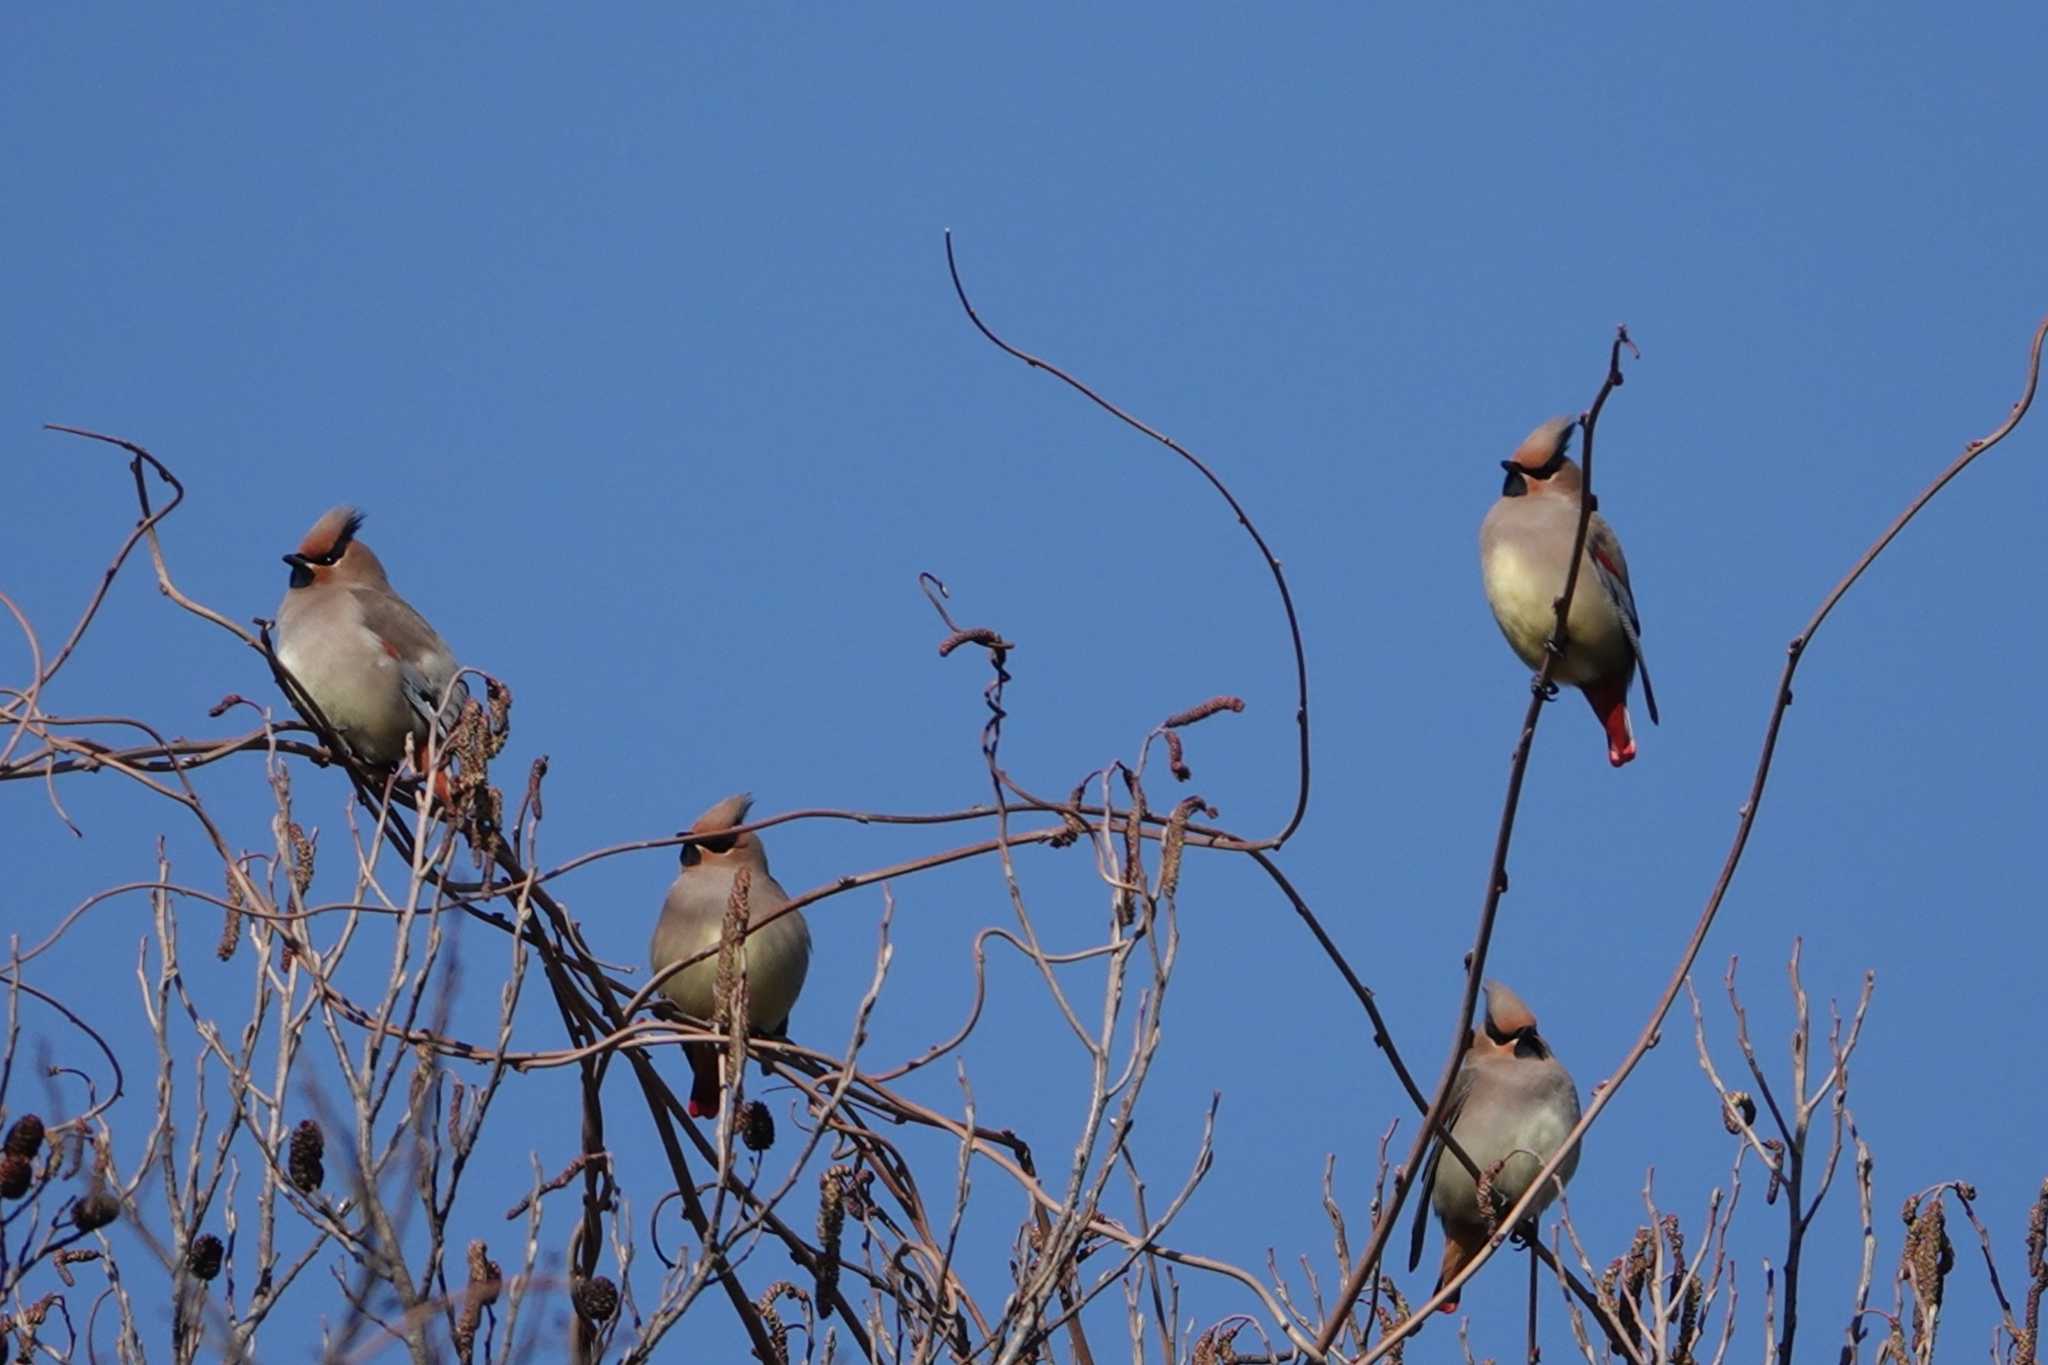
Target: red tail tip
[(1612, 709)]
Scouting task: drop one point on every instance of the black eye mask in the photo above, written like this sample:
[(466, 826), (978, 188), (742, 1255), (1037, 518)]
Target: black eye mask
[(1516, 483), (303, 565), (715, 843), (1525, 1041)]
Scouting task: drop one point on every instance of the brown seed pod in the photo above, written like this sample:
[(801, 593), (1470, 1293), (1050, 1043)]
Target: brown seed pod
[(1738, 1101), (302, 857), (308, 1145), (757, 1126), (482, 1290), (1176, 757), (204, 1257), (596, 1299), (486, 1280), (16, 1175), (831, 1225), (25, 1137)]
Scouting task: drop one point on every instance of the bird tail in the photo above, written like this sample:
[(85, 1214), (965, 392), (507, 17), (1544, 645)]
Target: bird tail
[(705, 1091), (1460, 1246), (1610, 704)]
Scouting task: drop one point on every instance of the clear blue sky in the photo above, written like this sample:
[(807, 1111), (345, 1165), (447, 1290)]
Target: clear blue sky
[(631, 331)]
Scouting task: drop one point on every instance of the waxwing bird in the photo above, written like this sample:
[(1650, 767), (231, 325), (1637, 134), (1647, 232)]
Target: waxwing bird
[(1510, 1109), (1525, 545), (777, 955), (378, 672)]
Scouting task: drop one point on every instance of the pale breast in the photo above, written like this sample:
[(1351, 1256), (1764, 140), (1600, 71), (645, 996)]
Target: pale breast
[(1523, 588), (1544, 1107), (1544, 1131), (777, 955), (1521, 592), (354, 682)]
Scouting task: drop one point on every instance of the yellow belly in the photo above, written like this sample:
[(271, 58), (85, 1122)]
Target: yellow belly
[(1524, 601)]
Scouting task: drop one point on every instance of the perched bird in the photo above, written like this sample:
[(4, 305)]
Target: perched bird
[(1510, 1109), (377, 671), (777, 955), (1525, 545)]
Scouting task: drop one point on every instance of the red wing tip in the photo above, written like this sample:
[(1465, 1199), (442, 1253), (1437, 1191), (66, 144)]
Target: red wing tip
[(1449, 1305), (698, 1111), (1621, 757)]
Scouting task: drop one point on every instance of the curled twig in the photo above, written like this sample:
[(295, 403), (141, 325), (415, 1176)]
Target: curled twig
[(1222, 489), (976, 635)]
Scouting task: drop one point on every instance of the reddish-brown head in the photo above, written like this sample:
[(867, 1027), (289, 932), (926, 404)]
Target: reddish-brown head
[(1505, 1011), (1540, 464), (731, 849), (1509, 1028), (330, 553)]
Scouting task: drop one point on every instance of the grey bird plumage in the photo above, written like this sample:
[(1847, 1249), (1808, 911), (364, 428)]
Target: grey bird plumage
[(777, 954), (1510, 1109), (378, 672), (1525, 547)]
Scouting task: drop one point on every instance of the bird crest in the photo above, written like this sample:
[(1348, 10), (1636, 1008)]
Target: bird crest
[(1506, 1015), (331, 535), (727, 814)]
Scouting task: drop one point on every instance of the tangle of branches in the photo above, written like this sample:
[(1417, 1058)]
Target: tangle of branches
[(316, 1138)]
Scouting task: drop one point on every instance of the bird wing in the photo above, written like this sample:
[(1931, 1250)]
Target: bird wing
[(1603, 547), (425, 664), (1460, 1090)]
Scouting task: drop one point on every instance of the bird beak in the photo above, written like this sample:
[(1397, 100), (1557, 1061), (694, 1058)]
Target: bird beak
[(1508, 465), (297, 561)]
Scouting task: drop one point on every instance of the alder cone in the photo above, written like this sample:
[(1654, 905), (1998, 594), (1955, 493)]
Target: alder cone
[(597, 1298), (757, 1126), (25, 1138), (308, 1145), (203, 1260)]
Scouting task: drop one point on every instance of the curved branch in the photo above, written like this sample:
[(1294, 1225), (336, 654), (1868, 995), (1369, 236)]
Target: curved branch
[(1795, 652), (1540, 691), (1237, 509)]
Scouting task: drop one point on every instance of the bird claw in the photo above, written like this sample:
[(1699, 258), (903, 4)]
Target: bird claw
[(1545, 690)]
